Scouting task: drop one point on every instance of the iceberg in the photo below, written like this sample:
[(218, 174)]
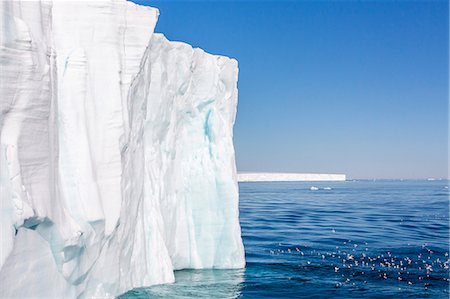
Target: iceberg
[(289, 177), (116, 156)]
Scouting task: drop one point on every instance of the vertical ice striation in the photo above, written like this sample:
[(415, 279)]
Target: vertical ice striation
[(116, 155), (188, 135)]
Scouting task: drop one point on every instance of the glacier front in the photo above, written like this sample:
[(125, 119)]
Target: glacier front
[(116, 156)]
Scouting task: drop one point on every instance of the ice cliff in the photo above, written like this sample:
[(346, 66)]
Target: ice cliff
[(116, 159)]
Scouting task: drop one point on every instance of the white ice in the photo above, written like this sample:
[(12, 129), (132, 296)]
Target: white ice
[(288, 177), (116, 155)]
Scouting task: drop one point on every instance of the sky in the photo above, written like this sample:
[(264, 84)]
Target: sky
[(353, 87)]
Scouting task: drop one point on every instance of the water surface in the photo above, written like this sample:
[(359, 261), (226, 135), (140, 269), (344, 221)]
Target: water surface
[(354, 239)]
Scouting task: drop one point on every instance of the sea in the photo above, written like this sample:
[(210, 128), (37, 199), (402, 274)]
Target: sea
[(352, 239)]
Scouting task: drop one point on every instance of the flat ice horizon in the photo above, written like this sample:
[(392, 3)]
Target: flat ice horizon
[(116, 156), (288, 177)]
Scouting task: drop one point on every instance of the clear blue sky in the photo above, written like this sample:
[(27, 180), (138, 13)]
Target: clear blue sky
[(350, 87)]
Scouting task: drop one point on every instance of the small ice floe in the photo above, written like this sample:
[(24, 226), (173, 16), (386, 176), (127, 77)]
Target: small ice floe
[(327, 188), (314, 188)]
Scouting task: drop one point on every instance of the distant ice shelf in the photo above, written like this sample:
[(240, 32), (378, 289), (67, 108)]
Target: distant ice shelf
[(288, 177)]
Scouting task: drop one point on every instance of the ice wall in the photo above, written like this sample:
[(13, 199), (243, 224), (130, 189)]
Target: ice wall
[(116, 158), (189, 148)]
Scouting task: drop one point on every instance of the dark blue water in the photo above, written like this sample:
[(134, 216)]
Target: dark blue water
[(357, 239)]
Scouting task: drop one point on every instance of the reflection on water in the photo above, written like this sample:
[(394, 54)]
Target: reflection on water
[(195, 284)]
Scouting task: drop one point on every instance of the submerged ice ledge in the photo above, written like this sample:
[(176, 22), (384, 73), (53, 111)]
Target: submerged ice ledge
[(116, 159)]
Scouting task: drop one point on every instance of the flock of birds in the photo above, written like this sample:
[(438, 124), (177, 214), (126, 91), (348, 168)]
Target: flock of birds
[(351, 261)]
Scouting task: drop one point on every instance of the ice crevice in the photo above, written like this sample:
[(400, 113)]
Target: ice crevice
[(116, 155)]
